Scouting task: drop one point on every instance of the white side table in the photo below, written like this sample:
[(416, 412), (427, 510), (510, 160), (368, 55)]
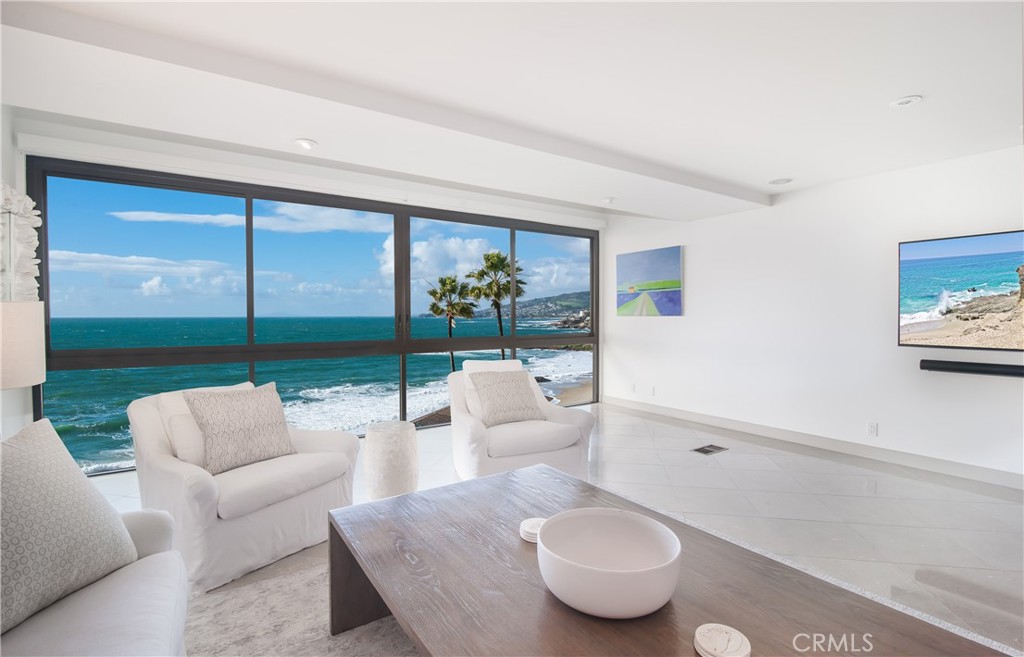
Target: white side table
[(391, 459)]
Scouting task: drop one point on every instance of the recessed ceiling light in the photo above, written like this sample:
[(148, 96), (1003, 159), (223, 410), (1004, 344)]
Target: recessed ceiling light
[(906, 101), (608, 200), (305, 144), (780, 181)]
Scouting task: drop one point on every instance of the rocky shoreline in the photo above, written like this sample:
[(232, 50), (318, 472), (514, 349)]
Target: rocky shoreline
[(579, 321), (994, 322)]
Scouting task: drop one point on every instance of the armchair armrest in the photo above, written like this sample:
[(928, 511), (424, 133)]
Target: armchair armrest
[(151, 530), (310, 440), (582, 419), (184, 489), (469, 436)]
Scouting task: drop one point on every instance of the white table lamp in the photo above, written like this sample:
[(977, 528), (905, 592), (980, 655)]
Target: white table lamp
[(22, 348)]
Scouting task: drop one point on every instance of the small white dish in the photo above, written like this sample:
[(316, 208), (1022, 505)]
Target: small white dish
[(716, 640), (609, 562), (528, 529)]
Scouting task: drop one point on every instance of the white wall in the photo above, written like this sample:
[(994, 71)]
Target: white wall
[(790, 317)]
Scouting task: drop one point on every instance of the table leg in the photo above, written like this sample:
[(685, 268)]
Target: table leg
[(354, 600)]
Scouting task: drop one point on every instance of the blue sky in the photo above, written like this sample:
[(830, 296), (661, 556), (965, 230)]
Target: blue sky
[(962, 246), (653, 265), (127, 251)]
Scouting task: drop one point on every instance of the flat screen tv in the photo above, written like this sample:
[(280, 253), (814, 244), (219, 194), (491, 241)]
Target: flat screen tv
[(963, 292)]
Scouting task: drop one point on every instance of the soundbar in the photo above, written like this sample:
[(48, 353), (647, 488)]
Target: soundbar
[(992, 369)]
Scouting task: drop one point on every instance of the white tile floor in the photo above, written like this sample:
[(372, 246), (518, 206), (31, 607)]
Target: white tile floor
[(946, 546)]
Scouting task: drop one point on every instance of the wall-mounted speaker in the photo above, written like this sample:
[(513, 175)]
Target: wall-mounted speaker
[(991, 369)]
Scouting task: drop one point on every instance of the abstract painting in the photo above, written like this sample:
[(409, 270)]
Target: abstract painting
[(649, 283)]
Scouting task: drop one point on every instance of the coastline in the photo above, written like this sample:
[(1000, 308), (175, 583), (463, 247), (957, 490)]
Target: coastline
[(583, 394), (993, 322)]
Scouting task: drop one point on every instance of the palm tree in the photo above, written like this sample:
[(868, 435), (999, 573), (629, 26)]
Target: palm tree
[(494, 283), (451, 299)]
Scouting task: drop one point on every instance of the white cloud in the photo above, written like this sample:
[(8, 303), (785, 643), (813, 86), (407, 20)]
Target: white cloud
[(386, 257), (280, 276), (204, 277), (146, 216), (154, 287), (440, 256), (102, 263), (578, 247), (551, 276), (285, 218)]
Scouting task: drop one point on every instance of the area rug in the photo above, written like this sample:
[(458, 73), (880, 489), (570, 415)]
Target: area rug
[(285, 615)]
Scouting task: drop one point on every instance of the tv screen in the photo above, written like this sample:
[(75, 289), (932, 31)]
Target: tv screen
[(965, 292)]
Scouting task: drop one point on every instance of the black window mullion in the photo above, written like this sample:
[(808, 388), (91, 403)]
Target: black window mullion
[(403, 303), (250, 284)]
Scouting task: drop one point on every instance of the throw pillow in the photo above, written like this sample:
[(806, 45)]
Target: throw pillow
[(240, 426), (173, 403), (471, 367), (506, 397), (57, 531)]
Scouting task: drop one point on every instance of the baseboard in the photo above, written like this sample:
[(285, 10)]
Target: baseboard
[(966, 471)]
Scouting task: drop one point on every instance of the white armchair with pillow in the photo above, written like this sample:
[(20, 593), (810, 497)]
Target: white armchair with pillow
[(78, 578), (244, 488), (502, 421)]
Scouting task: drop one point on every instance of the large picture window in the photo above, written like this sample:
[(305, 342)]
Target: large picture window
[(357, 309)]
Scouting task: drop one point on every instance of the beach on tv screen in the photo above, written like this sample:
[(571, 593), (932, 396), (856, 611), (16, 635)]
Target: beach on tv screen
[(963, 292)]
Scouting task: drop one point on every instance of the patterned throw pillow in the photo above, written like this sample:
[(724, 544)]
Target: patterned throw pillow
[(57, 531), (506, 397), (240, 426)]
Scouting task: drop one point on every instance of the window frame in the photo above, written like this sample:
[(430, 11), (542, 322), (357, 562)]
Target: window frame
[(403, 344)]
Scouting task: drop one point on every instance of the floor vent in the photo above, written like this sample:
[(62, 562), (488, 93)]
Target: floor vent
[(710, 449)]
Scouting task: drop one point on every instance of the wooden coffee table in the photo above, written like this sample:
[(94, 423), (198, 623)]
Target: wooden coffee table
[(449, 564)]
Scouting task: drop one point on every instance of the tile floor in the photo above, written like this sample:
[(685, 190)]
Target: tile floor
[(946, 546)]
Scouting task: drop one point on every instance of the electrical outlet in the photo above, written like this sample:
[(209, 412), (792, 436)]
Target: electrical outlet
[(872, 428), (633, 390), (652, 391)]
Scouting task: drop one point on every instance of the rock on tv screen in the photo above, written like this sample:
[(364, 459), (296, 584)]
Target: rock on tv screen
[(963, 292)]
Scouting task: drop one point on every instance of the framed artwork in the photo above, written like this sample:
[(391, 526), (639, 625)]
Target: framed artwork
[(649, 283)]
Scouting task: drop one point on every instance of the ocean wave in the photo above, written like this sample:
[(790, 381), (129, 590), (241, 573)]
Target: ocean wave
[(949, 301), (353, 407), (108, 466)]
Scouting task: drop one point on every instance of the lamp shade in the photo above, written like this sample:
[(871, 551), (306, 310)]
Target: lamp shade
[(22, 350)]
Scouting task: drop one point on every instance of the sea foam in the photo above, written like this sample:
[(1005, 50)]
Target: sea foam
[(951, 300)]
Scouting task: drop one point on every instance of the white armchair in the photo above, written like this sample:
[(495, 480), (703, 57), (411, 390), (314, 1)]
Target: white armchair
[(562, 440), (139, 609), (234, 522)]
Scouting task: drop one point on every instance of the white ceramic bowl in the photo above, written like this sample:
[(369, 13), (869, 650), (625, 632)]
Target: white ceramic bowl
[(609, 562)]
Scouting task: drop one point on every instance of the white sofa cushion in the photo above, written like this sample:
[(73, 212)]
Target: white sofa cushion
[(240, 427), (505, 397), (57, 531), (252, 487), (137, 610), (530, 437), (187, 439)]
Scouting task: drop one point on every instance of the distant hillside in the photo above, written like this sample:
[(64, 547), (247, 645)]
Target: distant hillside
[(556, 306)]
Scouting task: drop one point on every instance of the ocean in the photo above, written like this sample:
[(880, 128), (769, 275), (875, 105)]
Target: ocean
[(88, 407), (931, 287)]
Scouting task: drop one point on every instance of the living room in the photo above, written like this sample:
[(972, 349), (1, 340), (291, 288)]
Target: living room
[(787, 164)]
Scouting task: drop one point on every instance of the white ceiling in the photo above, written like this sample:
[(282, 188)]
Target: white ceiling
[(679, 110)]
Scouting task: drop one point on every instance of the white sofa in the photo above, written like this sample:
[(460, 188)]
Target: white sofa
[(139, 609), (231, 523), (562, 440)]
